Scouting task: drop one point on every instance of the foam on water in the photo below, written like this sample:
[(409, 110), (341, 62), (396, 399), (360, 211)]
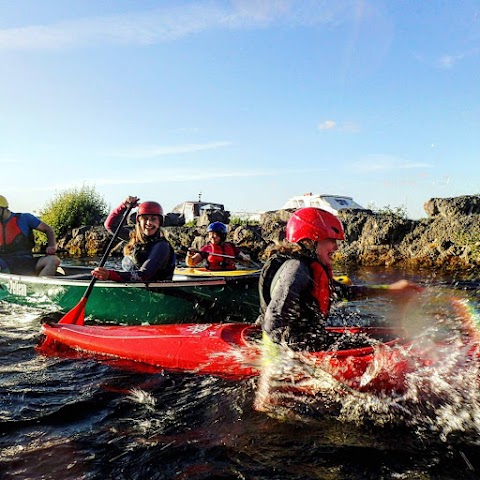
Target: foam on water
[(142, 397), (438, 395)]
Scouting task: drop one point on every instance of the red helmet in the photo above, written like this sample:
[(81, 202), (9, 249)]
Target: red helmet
[(314, 224), (150, 208)]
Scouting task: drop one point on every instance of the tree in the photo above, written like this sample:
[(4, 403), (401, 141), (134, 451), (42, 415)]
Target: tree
[(74, 208)]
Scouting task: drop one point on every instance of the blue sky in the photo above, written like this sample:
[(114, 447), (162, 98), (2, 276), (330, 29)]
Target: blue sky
[(245, 102)]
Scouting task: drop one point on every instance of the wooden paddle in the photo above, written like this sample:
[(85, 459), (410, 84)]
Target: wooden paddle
[(76, 316)]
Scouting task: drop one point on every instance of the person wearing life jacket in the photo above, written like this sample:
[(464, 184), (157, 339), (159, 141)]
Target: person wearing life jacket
[(296, 284), (16, 243), (148, 256), (218, 253), (297, 290)]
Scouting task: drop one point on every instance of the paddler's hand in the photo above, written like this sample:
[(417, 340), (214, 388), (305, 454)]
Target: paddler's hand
[(193, 257), (244, 258), (405, 286), (51, 250), (400, 289), (404, 290), (131, 201), (101, 273)]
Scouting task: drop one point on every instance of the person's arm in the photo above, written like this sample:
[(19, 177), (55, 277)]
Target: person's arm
[(398, 288), (291, 281), (116, 216), (193, 258), (49, 232), (243, 257)]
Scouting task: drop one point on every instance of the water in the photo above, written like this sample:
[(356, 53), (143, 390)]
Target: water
[(77, 418)]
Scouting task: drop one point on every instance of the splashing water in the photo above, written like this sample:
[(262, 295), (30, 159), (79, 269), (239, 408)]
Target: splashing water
[(428, 383), (142, 397)]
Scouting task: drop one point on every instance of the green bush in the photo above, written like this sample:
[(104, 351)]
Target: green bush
[(74, 208), (243, 222), (399, 212)]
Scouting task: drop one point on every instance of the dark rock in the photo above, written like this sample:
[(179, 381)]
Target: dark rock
[(85, 241), (174, 220), (209, 216), (448, 240), (450, 207)]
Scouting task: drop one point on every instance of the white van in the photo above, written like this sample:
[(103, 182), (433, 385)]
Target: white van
[(330, 203)]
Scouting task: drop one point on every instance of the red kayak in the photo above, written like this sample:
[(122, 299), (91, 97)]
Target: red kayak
[(202, 348), (365, 359), (227, 350)]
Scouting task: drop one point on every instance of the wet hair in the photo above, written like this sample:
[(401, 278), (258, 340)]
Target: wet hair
[(305, 247)]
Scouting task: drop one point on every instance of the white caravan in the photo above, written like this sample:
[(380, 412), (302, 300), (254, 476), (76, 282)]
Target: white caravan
[(330, 203)]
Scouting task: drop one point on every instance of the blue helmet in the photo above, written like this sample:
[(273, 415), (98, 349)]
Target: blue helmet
[(218, 227)]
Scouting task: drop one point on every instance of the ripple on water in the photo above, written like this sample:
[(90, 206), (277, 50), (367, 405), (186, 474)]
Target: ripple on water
[(87, 419)]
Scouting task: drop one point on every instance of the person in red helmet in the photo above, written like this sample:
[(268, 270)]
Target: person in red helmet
[(296, 283), (148, 256), (218, 253), (297, 289)]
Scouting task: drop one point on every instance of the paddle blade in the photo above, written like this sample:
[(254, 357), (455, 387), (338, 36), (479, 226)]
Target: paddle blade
[(76, 316)]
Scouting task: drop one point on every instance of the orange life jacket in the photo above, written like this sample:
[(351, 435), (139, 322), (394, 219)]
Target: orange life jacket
[(12, 239)]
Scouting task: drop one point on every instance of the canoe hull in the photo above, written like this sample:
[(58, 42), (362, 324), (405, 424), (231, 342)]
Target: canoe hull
[(184, 299), (226, 350)]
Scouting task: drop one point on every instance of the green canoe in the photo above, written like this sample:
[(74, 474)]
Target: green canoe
[(185, 299)]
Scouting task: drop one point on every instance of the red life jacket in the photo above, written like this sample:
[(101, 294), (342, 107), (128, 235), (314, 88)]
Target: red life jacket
[(215, 262), (322, 289), (304, 329), (322, 283), (12, 239)]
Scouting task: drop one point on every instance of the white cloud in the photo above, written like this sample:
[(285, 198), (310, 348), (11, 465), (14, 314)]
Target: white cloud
[(165, 175), (327, 125), (157, 151), (349, 127), (449, 61), (446, 61), (376, 163), (167, 24)]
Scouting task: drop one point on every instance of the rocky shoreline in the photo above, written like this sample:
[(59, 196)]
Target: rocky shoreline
[(448, 240)]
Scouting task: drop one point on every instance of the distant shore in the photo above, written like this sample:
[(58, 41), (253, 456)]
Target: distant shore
[(449, 239)]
